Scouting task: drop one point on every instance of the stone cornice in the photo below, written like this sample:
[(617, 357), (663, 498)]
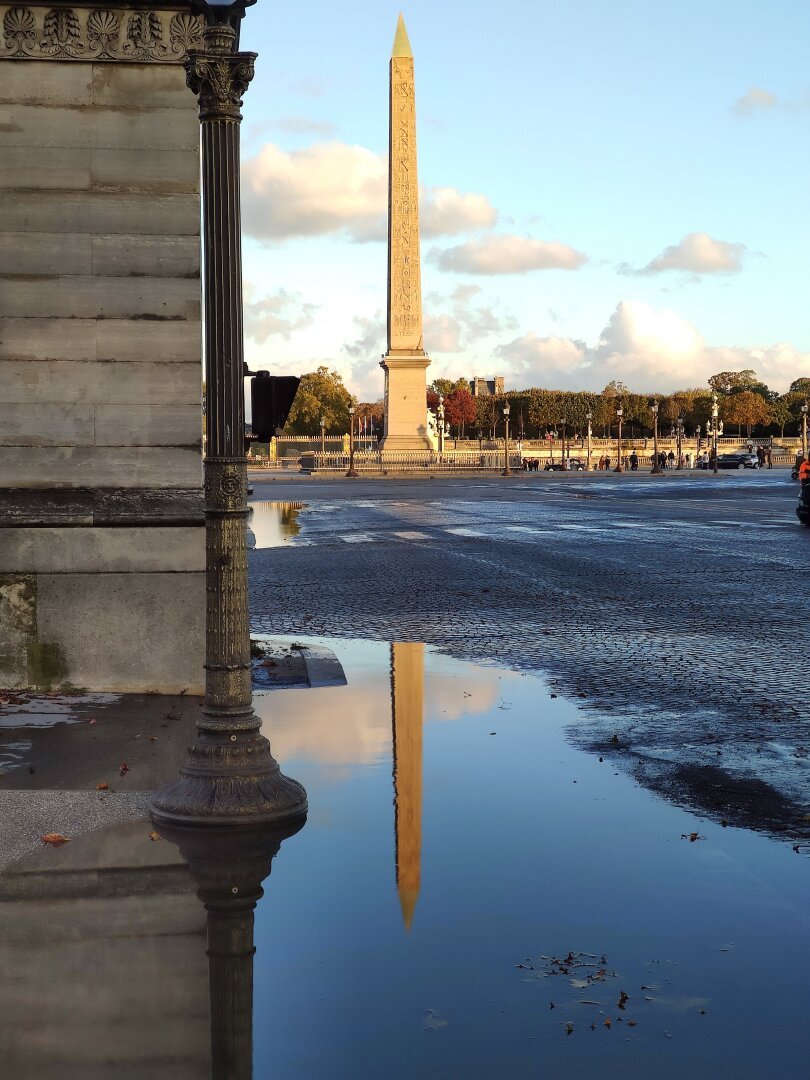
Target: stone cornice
[(127, 32)]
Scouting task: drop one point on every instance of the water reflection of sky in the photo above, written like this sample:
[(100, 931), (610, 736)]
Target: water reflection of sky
[(527, 847), (274, 523)]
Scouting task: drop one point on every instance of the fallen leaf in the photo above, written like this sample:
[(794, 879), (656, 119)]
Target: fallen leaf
[(103, 786), (153, 738), (632, 1023), (91, 722), (607, 1023), (569, 1028), (123, 768), (155, 836), (55, 839)]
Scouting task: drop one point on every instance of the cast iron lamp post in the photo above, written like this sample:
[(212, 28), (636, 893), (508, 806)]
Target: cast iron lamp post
[(563, 422), (440, 417), (230, 776), (679, 436), (351, 471), (589, 418), (619, 415), (804, 430), (323, 434), (697, 440), (506, 470), (656, 469), (714, 428)]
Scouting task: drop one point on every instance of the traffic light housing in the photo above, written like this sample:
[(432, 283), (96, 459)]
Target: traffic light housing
[(271, 398)]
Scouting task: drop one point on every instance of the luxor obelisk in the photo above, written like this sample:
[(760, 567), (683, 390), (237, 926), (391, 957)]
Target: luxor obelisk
[(405, 362)]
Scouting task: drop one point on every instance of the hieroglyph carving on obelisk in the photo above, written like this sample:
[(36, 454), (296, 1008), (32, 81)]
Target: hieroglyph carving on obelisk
[(405, 362)]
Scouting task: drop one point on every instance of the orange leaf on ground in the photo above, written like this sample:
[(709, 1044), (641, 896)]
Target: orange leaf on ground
[(102, 786), (123, 768), (55, 839), (154, 836), (607, 1022)]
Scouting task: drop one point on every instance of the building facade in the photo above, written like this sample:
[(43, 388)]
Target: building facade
[(102, 558)]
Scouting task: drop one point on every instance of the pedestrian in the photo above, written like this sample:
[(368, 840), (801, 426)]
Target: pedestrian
[(607, 461), (634, 462), (671, 460), (769, 456), (804, 471), (761, 456)]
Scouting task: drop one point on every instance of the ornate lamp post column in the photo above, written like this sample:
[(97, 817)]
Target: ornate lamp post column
[(565, 457), (230, 777), (656, 469), (351, 471), (440, 417), (506, 470), (619, 415), (323, 434), (589, 418), (679, 428), (713, 430), (804, 430), (697, 440)]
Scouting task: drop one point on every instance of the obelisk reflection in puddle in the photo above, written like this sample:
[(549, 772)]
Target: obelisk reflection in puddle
[(407, 699)]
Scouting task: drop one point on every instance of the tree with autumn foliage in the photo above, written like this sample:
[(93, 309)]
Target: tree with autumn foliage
[(746, 409), (459, 409)]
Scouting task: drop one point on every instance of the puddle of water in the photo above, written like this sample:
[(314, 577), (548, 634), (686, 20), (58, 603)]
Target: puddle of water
[(273, 524), (463, 867)]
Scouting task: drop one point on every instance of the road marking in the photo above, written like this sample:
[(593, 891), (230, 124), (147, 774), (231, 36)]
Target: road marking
[(412, 535), (465, 532)]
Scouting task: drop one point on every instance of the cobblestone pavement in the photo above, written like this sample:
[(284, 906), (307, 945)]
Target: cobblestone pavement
[(674, 609)]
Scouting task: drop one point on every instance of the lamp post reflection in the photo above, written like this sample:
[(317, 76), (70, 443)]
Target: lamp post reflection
[(228, 866)]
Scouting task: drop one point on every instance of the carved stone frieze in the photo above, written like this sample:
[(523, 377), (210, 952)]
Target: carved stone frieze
[(74, 33)]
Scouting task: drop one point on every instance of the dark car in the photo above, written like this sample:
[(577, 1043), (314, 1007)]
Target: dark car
[(737, 461), (571, 465)]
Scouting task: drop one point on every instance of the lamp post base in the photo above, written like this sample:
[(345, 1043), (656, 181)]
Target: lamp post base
[(352, 472), (506, 472), (230, 778), (619, 468)]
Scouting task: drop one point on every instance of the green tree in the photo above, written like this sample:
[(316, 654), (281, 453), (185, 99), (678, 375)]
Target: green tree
[(724, 382), (321, 394), (800, 386)]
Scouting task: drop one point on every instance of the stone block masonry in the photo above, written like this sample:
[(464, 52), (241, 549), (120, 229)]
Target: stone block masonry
[(100, 349)]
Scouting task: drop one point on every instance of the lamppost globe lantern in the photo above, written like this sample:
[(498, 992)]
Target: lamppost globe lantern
[(506, 410)]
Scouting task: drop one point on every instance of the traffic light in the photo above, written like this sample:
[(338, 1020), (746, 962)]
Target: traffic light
[(271, 398)]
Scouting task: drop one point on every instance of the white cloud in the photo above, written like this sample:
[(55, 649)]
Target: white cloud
[(646, 348), (756, 100), (699, 253), (446, 212), (337, 188), (506, 254), (282, 313)]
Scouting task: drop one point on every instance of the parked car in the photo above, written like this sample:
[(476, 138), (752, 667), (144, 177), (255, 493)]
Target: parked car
[(573, 464), (737, 461)]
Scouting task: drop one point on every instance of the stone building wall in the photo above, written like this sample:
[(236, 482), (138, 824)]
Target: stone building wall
[(101, 530)]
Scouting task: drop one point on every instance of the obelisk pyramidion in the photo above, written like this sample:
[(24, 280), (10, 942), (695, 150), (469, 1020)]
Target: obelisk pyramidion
[(405, 362)]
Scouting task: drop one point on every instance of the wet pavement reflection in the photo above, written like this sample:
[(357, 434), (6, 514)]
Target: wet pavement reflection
[(472, 896), (272, 524)]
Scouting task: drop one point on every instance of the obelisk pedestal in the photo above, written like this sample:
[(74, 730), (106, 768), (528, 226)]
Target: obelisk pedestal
[(405, 361)]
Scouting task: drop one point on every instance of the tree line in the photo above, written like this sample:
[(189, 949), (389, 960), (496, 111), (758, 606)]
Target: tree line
[(745, 403)]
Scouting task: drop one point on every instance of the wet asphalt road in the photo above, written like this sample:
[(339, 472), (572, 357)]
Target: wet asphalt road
[(674, 609)]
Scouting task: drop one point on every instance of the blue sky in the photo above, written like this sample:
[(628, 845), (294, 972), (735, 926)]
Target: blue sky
[(610, 189)]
